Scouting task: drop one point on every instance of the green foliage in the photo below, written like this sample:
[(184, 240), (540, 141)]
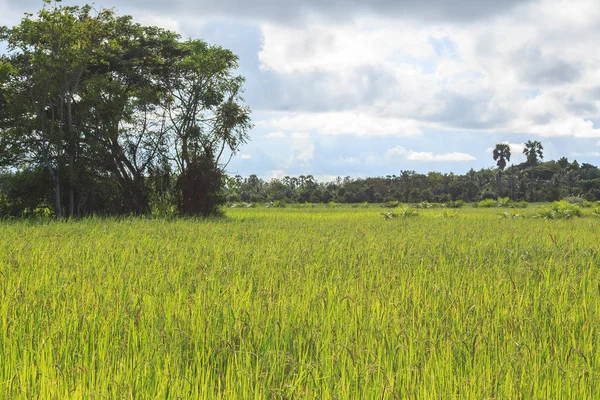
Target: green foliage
[(575, 200), (487, 203), (455, 204), (333, 204), (510, 215), (391, 204), (401, 212), (518, 204), (279, 204), (5, 206), (561, 210)]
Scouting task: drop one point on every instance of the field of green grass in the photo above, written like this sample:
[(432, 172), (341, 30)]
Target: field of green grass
[(301, 304)]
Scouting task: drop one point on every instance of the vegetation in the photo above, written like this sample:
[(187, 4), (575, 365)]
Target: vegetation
[(102, 114), (551, 181), (301, 303)]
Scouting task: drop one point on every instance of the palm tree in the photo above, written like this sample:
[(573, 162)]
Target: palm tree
[(533, 152), (501, 155)]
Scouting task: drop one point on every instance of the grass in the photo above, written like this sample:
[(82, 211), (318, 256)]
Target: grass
[(302, 303)]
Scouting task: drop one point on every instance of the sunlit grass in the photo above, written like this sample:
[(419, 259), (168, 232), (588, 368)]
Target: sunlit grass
[(302, 303)]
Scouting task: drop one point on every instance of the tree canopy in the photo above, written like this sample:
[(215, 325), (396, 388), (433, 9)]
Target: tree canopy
[(103, 104)]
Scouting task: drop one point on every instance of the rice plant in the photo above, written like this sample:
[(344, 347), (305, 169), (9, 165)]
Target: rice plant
[(295, 303)]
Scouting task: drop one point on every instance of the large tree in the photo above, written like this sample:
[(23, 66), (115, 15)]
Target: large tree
[(534, 152), (100, 100), (501, 155)]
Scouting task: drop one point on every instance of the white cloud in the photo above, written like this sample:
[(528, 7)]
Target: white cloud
[(534, 71), (342, 123), (321, 45), (275, 135), (245, 156), (428, 156), (277, 174), (586, 154), (302, 148), (515, 148), (398, 150)]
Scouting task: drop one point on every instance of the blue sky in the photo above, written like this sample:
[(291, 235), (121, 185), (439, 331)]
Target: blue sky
[(371, 88)]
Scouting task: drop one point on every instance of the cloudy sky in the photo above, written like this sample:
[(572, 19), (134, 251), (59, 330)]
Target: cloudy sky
[(369, 88)]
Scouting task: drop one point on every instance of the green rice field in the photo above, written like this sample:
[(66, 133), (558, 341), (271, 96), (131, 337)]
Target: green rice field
[(292, 303)]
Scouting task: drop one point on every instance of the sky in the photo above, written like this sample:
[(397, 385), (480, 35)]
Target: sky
[(370, 88)]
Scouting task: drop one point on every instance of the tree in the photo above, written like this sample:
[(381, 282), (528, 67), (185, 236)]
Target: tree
[(205, 112), (101, 101), (501, 155), (534, 152)]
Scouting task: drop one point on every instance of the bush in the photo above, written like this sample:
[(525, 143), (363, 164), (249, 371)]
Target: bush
[(391, 204), (162, 206), (279, 204), (332, 204), (574, 200), (401, 212), (487, 203), (561, 210), (5, 206), (509, 215), (455, 204), (518, 204), (589, 204), (590, 197)]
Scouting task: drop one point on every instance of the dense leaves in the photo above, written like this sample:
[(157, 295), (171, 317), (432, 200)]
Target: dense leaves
[(552, 180), (92, 103)]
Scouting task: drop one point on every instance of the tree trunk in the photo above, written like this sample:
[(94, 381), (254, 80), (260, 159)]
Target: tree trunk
[(512, 184), (531, 184), (499, 183)]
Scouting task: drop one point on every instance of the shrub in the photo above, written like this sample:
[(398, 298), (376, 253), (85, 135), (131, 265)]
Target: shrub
[(590, 197), (487, 203), (278, 204), (561, 210), (509, 215), (574, 200), (333, 204), (589, 204), (162, 205), (5, 206), (455, 204), (401, 212), (518, 204), (391, 204)]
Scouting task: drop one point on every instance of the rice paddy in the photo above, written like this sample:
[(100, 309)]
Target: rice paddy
[(300, 304)]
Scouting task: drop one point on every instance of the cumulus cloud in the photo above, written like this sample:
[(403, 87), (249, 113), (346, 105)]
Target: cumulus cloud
[(516, 73), (341, 123)]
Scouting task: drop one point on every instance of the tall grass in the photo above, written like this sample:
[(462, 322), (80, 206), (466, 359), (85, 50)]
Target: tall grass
[(301, 303)]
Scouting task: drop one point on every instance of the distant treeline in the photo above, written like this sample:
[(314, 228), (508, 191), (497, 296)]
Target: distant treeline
[(553, 180)]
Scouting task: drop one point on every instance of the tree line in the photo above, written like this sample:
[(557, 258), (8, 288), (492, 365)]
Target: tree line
[(533, 180), (102, 115)]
